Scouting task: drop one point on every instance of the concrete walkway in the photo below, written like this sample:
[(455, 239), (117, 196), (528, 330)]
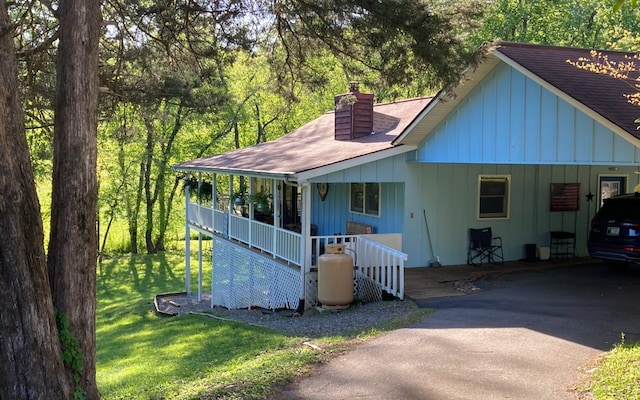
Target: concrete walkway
[(432, 282)]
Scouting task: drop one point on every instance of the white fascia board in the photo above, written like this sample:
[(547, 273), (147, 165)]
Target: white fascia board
[(234, 171), (306, 176), (432, 104), (575, 103)]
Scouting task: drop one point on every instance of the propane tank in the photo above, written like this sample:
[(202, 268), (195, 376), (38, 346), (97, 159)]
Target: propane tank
[(335, 278)]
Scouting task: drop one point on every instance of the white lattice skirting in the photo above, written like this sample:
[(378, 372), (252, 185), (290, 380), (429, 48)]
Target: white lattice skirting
[(244, 278)]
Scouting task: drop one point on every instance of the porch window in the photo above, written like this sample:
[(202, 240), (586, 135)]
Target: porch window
[(365, 198), (493, 201)]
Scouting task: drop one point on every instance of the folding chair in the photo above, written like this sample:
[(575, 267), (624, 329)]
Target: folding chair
[(483, 247)]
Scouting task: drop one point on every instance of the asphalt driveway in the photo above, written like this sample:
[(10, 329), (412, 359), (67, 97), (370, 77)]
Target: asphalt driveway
[(525, 335)]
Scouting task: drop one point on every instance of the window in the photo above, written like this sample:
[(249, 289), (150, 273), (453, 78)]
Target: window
[(365, 198), (494, 196)]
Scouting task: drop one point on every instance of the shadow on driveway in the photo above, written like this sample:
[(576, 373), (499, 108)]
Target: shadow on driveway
[(524, 335), (586, 304)]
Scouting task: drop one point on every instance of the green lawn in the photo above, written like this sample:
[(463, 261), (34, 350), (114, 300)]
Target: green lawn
[(142, 355), (617, 375)]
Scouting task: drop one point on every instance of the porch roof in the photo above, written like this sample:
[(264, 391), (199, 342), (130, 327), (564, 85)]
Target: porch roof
[(312, 149), (599, 96)]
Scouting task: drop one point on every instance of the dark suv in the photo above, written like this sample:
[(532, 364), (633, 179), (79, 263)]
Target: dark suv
[(615, 231)]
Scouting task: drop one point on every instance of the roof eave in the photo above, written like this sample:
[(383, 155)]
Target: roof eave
[(234, 171), (309, 175)]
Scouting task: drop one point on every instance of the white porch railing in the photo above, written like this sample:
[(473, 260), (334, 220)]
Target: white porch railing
[(318, 244), (281, 243), (382, 265)]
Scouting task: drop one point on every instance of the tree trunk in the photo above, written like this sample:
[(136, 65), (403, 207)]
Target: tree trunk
[(149, 199), (165, 212), (30, 361), (73, 245)]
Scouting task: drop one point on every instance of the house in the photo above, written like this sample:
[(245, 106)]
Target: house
[(526, 144)]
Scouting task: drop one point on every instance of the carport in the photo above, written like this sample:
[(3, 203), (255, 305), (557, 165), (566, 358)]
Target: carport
[(431, 282)]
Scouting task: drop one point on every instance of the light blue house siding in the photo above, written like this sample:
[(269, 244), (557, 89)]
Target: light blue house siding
[(508, 118), (448, 194), (332, 214)]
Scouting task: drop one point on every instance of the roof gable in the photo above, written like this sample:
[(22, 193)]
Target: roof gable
[(599, 96), (511, 119)]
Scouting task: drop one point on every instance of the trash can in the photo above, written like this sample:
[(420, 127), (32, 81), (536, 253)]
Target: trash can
[(530, 251), (544, 253), (335, 278)]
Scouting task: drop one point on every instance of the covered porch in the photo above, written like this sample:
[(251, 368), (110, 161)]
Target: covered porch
[(266, 254)]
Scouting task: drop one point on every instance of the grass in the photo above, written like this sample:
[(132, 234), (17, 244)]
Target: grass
[(142, 355), (617, 375)]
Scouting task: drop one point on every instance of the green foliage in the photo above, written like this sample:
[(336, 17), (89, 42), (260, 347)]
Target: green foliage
[(71, 353), (619, 3), (577, 23), (618, 374)]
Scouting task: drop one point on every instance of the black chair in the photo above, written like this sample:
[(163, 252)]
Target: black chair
[(483, 247)]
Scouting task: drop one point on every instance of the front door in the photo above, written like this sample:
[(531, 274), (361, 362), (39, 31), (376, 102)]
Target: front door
[(611, 185)]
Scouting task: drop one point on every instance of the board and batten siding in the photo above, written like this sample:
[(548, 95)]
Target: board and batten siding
[(448, 194), (511, 119), (332, 214)]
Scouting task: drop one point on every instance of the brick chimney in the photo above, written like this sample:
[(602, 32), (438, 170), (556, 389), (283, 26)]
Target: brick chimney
[(353, 114)]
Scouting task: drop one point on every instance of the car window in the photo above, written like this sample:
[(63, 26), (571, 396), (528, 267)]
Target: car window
[(621, 209)]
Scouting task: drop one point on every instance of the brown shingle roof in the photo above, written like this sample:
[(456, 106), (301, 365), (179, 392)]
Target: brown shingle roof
[(312, 145), (600, 93)]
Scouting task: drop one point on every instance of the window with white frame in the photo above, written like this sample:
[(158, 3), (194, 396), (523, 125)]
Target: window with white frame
[(493, 201), (365, 198)]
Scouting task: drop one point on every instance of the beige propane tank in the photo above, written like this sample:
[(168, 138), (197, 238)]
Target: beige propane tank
[(335, 278)]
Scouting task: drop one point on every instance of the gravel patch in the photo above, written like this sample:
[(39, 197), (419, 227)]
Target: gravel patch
[(315, 322)]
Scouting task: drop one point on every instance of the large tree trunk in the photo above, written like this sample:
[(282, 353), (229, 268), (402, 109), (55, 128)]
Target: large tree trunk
[(30, 360), (73, 244)]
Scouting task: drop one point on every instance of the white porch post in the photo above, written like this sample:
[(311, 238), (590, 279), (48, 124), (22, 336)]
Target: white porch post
[(214, 200), (276, 215), (252, 216), (199, 240), (230, 206), (187, 244), (199, 266), (213, 239), (214, 206), (305, 249)]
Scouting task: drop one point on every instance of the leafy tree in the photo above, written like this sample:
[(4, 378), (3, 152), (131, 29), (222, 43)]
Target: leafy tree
[(577, 23)]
